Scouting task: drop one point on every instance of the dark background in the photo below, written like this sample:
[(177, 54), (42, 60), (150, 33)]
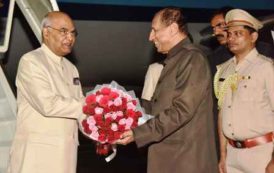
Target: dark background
[(112, 45)]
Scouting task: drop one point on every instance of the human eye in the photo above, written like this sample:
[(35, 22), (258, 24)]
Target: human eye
[(64, 31), (74, 33), (155, 30), (238, 33), (222, 24)]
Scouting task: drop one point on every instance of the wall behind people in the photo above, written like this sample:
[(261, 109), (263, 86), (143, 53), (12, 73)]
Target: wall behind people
[(105, 50), (112, 45), (112, 42)]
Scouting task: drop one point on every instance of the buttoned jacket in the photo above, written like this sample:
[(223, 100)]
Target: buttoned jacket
[(181, 136), (50, 99)]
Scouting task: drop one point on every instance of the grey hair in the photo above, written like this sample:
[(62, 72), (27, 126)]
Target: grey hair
[(45, 22)]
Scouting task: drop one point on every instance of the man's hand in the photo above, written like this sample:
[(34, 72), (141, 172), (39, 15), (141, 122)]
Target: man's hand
[(126, 138), (270, 167)]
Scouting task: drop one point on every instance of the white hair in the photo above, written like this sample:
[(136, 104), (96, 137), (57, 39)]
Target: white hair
[(45, 22)]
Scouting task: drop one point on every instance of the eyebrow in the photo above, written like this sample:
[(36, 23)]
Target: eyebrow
[(68, 29), (218, 24)]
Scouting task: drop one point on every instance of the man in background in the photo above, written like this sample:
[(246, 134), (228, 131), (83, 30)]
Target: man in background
[(181, 135), (218, 25), (50, 100)]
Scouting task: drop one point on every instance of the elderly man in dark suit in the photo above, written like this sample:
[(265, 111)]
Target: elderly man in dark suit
[(181, 135)]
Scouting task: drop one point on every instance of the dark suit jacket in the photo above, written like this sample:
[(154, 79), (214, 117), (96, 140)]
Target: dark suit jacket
[(181, 135)]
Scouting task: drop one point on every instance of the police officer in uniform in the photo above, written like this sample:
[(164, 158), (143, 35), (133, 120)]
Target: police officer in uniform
[(244, 86)]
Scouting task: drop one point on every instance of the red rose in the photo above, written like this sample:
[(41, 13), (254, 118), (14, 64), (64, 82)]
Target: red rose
[(102, 136), (111, 137), (108, 121), (117, 135), (103, 149), (134, 124), (107, 110), (138, 114), (124, 103), (121, 128), (91, 110), (85, 109), (113, 95), (134, 102), (105, 91), (90, 99), (115, 108), (86, 127), (130, 113), (99, 120), (84, 123), (104, 101)]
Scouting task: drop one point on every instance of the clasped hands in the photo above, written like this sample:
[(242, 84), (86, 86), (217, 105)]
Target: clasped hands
[(126, 138)]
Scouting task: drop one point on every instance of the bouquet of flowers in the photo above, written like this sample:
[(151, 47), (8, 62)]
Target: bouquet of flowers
[(110, 110)]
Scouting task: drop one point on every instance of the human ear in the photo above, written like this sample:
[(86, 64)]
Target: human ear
[(174, 28), (45, 32), (254, 37)]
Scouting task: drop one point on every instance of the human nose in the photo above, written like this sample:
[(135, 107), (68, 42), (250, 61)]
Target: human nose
[(215, 31), (220, 27), (230, 37), (151, 35)]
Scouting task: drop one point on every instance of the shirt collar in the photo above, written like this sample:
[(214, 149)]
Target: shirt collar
[(178, 47), (55, 58), (173, 51), (249, 58)]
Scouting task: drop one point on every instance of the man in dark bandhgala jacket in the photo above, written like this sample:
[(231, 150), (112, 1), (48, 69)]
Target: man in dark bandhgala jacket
[(181, 135)]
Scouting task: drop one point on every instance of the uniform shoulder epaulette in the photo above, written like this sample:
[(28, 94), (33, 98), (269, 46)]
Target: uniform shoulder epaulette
[(269, 59), (261, 59)]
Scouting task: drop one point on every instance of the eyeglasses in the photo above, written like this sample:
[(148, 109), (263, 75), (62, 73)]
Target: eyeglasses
[(65, 32)]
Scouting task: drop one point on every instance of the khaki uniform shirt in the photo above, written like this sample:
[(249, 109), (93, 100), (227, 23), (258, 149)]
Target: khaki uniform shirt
[(50, 99), (248, 109)]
